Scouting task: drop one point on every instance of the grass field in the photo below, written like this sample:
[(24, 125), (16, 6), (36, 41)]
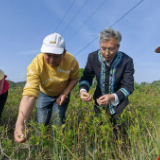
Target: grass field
[(82, 137)]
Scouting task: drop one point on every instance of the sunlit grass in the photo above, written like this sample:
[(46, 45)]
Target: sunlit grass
[(82, 136)]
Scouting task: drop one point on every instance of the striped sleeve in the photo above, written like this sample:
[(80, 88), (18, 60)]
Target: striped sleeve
[(127, 82)]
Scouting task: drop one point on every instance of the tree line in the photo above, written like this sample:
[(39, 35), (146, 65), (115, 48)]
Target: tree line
[(14, 85)]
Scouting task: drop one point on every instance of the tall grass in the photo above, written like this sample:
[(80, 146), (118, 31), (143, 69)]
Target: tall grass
[(84, 137)]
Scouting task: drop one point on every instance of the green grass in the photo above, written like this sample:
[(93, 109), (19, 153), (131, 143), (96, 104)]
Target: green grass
[(82, 137)]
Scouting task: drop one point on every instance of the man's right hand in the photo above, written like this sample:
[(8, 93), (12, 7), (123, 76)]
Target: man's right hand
[(19, 135), (85, 96)]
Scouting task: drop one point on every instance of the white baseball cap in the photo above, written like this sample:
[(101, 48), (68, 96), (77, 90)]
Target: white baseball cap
[(53, 43)]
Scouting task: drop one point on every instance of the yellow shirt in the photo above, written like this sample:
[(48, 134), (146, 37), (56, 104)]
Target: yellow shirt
[(50, 80)]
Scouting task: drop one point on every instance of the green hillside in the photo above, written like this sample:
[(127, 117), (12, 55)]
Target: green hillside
[(14, 85)]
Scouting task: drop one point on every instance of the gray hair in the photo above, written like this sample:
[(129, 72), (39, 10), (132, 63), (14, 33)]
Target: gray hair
[(109, 33)]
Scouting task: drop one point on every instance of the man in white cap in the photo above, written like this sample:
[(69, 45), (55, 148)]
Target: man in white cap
[(157, 50), (50, 78)]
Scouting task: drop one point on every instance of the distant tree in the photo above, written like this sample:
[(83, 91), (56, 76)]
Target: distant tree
[(22, 84), (13, 85), (81, 70), (144, 84), (155, 83), (136, 85)]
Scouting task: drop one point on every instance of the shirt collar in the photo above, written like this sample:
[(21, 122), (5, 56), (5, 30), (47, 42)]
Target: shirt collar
[(107, 63)]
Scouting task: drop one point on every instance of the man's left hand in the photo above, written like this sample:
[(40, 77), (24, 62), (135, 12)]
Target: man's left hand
[(61, 99), (104, 100)]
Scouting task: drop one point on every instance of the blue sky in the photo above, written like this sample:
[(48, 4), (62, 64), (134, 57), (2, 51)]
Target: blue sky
[(24, 24)]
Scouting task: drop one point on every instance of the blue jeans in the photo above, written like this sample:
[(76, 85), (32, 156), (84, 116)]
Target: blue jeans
[(47, 107)]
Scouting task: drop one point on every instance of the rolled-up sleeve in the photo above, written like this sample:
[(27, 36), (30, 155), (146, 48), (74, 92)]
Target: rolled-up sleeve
[(33, 80), (74, 70)]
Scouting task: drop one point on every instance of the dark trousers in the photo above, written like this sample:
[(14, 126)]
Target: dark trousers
[(3, 99), (114, 119)]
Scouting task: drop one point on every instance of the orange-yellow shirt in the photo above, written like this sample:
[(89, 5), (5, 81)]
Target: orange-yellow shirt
[(50, 80)]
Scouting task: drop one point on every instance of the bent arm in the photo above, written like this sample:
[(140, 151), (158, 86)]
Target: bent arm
[(71, 85), (25, 109), (73, 80), (127, 82)]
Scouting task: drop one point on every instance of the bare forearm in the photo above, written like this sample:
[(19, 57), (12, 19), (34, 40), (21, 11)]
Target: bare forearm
[(71, 85), (25, 109)]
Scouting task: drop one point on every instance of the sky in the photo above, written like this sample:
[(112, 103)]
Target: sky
[(24, 25)]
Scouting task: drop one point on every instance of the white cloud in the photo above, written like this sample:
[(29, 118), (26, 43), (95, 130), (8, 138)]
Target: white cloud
[(30, 52), (23, 77)]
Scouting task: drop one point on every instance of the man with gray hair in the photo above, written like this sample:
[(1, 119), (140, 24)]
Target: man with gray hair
[(114, 73)]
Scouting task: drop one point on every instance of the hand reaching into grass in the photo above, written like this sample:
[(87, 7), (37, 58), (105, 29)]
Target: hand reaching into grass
[(85, 96), (19, 134), (25, 110)]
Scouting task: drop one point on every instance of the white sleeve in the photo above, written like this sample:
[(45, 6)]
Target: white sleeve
[(116, 101), (83, 90)]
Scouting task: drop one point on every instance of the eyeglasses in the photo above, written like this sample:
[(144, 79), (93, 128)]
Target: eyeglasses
[(104, 49)]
